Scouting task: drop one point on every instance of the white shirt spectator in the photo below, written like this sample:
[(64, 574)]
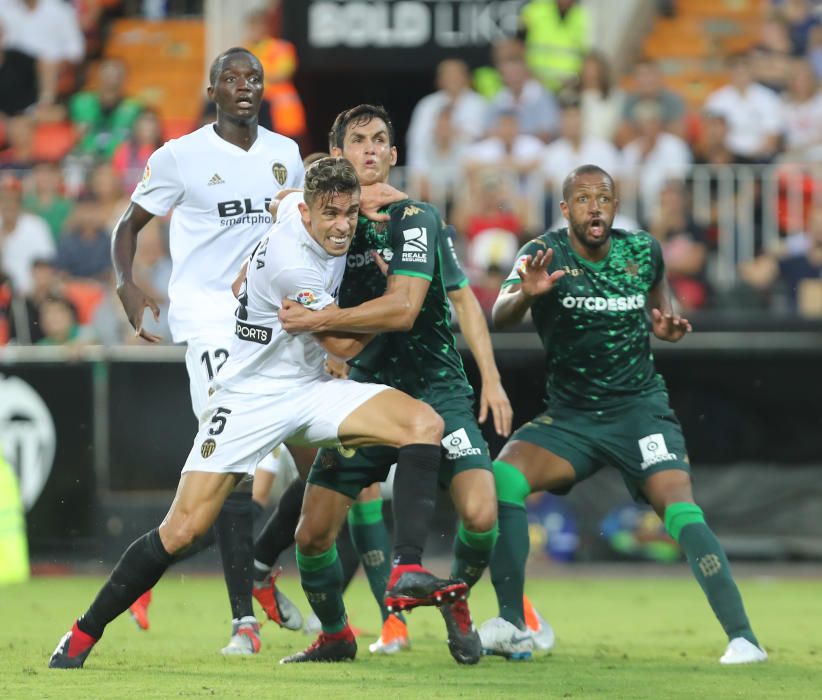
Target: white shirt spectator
[(48, 31), (803, 122), (468, 117), (561, 157), (751, 116), (30, 240), (601, 115), (525, 149), (536, 109), (670, 158)]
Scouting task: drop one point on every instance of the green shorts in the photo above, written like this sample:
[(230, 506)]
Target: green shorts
[(464, 448), (639, 437)]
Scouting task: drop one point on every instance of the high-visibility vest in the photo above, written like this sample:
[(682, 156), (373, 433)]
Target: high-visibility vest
[(555, 46), (14, 550), (279, 61)]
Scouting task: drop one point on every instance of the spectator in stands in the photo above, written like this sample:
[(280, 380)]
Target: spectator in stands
[(683, 244), (48, 32), (536, 109), (648, 85), (653, 158), (573, 148), (712, 146), (46, 197), (58, 319), (24, 237), (278, 58), (84, 249), (802, 115), (45, 283), (506, 150), (796, 267), (486, 286), (18, 79), (131, 156), (437, 180), (798, 14), (454, 90), (815, 51), (771, 57), (104, 116), (602, 102), (487, 79), (107, 190), (19, 153), (557, 35), (753, 112)]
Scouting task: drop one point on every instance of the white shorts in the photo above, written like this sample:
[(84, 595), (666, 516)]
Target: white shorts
[(278, 461), (204, 358), (238, 430)]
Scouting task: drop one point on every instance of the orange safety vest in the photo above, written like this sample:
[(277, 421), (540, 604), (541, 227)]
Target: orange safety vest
[(279, 61)]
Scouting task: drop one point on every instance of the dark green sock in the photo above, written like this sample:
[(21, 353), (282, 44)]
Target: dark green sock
[(371, 540), (511, 551), (472, 553), (686, 524), (321, 576)]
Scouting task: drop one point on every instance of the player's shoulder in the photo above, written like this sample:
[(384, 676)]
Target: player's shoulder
[(635, 237), (411, 209), (553, 238), (274, 140)]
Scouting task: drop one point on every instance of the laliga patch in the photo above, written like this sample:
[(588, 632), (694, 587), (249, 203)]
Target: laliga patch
[(458, 444), (146, 176), (654, 450), (306, 297), (415, 247)]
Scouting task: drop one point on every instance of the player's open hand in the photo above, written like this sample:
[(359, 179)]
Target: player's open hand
[(135, 302), (534, 276), (295, 318), (670, 327), (374, 197), (494, 398)]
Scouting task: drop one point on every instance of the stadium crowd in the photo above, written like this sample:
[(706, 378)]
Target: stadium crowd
[(489, 147)]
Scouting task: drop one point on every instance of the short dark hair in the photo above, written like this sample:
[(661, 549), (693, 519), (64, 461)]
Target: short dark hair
[(588, 169), (359, 116), (328, 177), (217, 64)]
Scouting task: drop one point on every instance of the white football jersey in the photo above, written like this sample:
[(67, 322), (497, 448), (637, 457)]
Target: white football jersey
[(288, 262), (220, 194)]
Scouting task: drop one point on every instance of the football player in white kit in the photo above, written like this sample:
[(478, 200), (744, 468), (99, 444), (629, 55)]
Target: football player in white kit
[(218, 180), (274, 389)]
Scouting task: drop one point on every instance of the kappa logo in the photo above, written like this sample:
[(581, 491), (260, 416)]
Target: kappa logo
[(410, 210), (216, 180), (458, 444), (654, 450), (415, 247)]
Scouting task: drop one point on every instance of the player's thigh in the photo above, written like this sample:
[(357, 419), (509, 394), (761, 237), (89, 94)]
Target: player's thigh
[(204, 358), (644, 441), (199, 498), (554, 451), (323, 513), (391, 418)]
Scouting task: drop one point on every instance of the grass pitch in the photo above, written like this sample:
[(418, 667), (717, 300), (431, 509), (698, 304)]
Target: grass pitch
[(616, 638)]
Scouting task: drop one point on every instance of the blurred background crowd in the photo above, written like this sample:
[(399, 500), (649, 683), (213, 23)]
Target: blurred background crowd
[(712, 129)]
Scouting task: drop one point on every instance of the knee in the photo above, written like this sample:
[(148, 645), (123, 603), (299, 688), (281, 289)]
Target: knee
[(181, 533), (311, 541), (425, 426), (479, 515)]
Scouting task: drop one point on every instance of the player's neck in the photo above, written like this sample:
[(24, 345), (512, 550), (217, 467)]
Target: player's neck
[(594, 255), (240, 134)]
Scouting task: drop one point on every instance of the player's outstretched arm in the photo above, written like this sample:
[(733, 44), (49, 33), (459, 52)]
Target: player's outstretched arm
[(535, 280), (396, 310), (665, 322), (475, 331), (123, 247)]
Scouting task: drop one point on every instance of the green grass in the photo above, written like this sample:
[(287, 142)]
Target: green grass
[(616, 638)]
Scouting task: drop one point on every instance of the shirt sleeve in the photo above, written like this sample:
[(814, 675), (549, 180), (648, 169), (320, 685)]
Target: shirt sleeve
[(302, 284), (452, 272), (530, 248), (415, 232), (657, 260), (162, 185)]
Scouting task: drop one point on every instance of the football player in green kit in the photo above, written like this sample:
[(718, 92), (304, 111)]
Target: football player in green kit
[(594, 293)]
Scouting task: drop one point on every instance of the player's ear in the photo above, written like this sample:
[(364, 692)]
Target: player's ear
[(304, 213), (393, 155), (563, 206), (336, 152)]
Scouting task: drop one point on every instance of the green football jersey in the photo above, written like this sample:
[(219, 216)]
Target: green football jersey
[(593, 323), (414, 242)]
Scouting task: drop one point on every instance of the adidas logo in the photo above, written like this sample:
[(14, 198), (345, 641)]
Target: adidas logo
[(216, 180)]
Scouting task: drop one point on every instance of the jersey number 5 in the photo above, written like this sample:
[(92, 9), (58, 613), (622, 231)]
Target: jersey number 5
[(219, 420)]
